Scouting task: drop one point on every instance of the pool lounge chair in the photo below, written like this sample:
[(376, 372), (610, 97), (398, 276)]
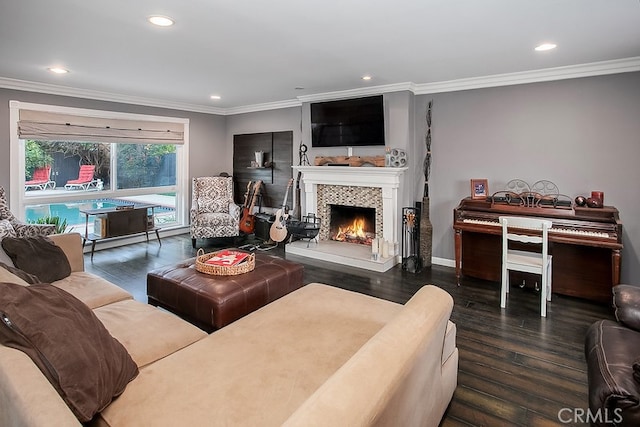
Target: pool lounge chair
[(41, 179), (85, 178)]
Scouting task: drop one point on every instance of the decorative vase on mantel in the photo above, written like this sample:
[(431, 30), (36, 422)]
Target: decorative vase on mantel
[(426, 233)]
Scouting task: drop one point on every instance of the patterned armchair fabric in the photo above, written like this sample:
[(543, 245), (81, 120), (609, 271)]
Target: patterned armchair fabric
[(213, 212), (22, 229)]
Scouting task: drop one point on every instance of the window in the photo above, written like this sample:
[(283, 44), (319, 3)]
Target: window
[(66, 159), (145, 165)]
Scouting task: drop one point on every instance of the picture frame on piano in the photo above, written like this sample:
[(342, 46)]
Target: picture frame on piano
[(479, 188)]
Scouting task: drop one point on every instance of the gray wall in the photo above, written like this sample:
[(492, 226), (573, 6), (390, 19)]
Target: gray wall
[(284, 119), (209, 152), (266, 121), (399, 133), (582, 134)]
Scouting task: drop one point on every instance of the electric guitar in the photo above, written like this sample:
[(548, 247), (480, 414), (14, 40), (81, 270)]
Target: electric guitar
[(278, 231), (248, 222)]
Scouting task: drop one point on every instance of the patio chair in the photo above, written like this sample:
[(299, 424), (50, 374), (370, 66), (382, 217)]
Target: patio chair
[(9, 224), (41, 179), (84, 180)]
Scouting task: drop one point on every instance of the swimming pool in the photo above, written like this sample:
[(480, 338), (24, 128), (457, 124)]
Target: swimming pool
[(71, 210)]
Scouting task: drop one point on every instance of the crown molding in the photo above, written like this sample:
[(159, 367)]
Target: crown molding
[(625, 65), (104, 96), (262, 107), (354, 93)]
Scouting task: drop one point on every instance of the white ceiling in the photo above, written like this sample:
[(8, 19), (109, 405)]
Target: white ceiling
[(255, 52)]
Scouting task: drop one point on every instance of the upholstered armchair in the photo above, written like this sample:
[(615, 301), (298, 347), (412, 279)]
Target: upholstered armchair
[(213, 212), (9, 224)]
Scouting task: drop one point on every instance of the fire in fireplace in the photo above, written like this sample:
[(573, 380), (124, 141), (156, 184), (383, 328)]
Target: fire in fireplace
[(352, 224)]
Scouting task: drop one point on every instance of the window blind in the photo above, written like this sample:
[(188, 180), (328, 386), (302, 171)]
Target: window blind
[(47, 126)]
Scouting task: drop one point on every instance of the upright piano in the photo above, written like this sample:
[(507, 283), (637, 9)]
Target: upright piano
[(585, 244)]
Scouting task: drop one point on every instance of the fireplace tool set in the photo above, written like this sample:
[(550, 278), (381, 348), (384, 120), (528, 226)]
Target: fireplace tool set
[(411, 260)]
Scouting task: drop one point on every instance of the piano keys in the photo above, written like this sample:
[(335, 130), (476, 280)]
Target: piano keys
[(586, 245)]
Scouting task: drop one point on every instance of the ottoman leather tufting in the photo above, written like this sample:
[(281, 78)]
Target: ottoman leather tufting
[(212, 302)]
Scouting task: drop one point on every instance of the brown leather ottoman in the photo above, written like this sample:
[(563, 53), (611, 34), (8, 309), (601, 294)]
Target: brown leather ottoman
[(212, 302)]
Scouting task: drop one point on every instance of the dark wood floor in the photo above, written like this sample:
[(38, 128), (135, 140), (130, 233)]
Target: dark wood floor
[(516, 368)]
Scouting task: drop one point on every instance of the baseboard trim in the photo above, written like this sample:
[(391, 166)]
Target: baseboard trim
[(443, 261)]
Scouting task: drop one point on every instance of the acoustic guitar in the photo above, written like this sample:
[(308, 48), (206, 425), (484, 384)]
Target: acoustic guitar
[(248, 222), (278, 231)]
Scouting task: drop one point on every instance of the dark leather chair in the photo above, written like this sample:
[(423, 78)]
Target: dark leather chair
[(612, 349)]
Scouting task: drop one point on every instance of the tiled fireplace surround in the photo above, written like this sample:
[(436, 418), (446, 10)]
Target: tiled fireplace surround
[(365, 197), (371, 187)]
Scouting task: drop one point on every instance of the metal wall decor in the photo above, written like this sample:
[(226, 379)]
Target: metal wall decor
[(542, 194)]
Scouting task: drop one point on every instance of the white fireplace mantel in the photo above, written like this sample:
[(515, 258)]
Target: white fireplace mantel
[(345, 175), (389, 180)]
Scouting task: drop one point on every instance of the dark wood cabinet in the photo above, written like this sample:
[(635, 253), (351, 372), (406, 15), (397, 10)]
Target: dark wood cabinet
[(124, 222), (117, 222)]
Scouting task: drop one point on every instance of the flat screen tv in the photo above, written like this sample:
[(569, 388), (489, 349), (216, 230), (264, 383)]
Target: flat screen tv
[(348, 122)]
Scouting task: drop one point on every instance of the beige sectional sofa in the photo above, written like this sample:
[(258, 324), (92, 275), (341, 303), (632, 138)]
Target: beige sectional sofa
[(319, 356)]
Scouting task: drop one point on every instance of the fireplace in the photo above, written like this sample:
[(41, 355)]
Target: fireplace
[(364, 199), (352, 224), (374, 190)]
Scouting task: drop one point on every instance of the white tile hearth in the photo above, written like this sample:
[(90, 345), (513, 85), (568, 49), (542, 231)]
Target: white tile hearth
[(350, 254)]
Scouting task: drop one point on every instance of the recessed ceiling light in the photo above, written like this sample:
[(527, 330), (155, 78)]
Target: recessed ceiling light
[(545, 46), (366, 77), (215, 97), (58, 70), (161, 21)]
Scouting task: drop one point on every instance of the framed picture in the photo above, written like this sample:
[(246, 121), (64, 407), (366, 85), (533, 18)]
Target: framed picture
[(479, 189)]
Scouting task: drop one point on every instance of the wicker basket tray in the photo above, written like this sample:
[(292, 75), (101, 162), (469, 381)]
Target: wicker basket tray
[(223, 270)]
